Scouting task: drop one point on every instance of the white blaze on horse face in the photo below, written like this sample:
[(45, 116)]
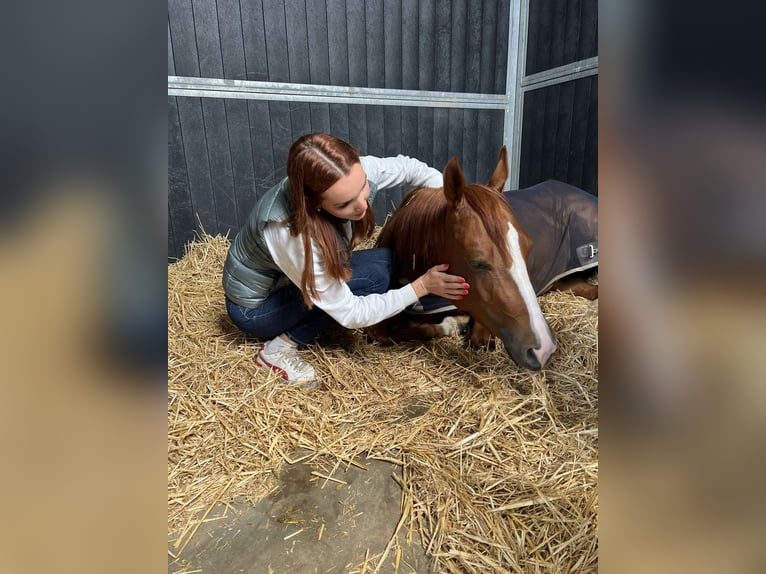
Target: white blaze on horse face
[(521, 277)]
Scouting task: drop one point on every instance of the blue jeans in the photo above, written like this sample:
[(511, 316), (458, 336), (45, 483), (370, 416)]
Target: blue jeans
[(285, 312)]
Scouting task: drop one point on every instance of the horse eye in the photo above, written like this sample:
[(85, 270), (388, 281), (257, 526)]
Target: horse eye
[(481, 265)]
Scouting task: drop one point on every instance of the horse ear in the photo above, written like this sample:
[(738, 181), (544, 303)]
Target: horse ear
[(454, 182), (497, 181)]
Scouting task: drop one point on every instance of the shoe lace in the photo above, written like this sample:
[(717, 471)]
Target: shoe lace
[(293, 360)]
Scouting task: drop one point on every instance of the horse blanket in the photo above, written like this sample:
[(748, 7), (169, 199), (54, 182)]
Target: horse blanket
[(562, 222)]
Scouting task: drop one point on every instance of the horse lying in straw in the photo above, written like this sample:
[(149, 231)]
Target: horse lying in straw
[(510, 247)]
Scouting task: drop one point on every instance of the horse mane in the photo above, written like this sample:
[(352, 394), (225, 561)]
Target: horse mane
[(418, 229)]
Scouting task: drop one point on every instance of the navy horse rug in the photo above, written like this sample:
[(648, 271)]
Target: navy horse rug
[(562, 222)]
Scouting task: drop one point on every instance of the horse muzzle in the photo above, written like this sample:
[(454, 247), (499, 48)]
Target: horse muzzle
[(532, 357)]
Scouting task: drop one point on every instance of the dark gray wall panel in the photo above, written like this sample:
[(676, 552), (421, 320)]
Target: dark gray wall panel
[(490, 140), (181, 223), (376, 141), (276, 41), (300, 119), (375, 44), (442, 38), (243, 175), (318, 42), (197, 166), (182, 35), (254, 39), (409, 131), (219, 161), (561, 32), (458, 47), (501, 45), (264, 155), (563, 132), (539, 36), (320, 118), (171, 63), (393, 37), (410, 39), (440, 141), (426, 44), (297, 41), (456, 131), (489, 37), (590, 160), (468, 156), (356, 27), (281, 132), (357, 127), (339, 45), (265, 170), (425, 135), (580, 112), (232, 39), (474, 25), (208, 39), (392, 130), (560, 135), (339, 121), (550, 131)]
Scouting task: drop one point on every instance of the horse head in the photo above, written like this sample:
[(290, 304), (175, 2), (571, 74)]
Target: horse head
[(473, 228), (488, 247)]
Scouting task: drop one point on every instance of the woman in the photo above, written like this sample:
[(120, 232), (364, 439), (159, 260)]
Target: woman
[(291, 274)]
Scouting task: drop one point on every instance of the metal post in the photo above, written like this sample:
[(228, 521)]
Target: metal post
[(517, 57)]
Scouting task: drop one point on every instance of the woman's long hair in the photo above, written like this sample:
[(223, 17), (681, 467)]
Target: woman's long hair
[(314, 164)]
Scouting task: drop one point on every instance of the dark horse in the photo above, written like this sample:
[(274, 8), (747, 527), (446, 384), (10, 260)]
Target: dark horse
[(509, 247)]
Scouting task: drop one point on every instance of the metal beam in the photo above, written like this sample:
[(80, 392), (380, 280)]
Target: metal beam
[(566, 73), (250, 90)]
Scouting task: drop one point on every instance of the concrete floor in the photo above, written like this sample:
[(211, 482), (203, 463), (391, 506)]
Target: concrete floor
[(281, 534)]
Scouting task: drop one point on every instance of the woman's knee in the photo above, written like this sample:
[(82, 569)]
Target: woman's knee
[(241, 318), (372, 270)]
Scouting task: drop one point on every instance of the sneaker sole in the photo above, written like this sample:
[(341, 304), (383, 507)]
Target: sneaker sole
[(421, 311)]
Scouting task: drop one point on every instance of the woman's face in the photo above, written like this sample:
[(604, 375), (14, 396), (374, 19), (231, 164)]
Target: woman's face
[(347, 197)]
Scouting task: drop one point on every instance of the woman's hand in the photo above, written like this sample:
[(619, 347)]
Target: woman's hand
[(437, 282)]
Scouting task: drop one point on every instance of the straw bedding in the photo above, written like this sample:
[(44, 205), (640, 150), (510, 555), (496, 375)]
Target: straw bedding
[(499, 465)]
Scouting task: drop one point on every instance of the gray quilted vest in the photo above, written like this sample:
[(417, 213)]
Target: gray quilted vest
[(249, 273)]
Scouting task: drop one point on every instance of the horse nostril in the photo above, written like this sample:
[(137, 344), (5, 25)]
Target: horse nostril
[(532, 361)]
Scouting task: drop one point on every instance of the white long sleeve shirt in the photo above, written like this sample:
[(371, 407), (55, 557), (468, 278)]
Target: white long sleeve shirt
[(334, 297)]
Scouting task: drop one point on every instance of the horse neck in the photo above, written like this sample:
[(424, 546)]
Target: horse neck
[(426, 221)]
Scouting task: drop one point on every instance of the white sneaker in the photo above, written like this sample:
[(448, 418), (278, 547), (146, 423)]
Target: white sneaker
[(289, 365)]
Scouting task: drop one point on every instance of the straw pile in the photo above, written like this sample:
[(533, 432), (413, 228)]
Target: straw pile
[(499, 465)]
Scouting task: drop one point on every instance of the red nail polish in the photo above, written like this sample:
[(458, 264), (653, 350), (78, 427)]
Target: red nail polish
[(465, 292)]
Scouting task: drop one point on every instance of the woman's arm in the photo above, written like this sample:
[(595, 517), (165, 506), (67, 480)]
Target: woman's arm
[(400, 170), (334, 297)]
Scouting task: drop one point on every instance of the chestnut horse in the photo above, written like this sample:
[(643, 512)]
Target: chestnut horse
[(474, 228)]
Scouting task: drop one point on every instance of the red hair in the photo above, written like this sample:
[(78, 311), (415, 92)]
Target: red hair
[(315, 162)]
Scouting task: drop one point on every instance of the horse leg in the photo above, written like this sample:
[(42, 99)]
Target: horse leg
[(578, 286), (406, 329), (480, 337), (381, 332)]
